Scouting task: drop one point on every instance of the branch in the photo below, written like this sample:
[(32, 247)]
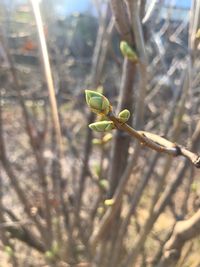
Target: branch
[(183, 231), (23, 234), (157, 142), (121, 20), (99, 104)]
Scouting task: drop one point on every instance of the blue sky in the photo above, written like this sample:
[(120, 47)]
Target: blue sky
[(180, 3), (79, 5), (82, 5), (70, 6)]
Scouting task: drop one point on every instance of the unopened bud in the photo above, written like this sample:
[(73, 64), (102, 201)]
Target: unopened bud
[(102, 126), (124, 115), (128, 52), (97, 102)]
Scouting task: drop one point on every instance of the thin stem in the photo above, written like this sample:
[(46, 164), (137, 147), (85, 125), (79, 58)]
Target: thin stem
[(47, 70), (157, 142)]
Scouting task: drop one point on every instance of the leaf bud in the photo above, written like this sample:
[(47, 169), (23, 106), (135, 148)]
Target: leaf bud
[(102, 126), (128, 52), (124, 115), (97, 102)]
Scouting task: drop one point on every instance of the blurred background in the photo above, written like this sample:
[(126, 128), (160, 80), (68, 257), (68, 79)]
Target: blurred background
[(73, 197)]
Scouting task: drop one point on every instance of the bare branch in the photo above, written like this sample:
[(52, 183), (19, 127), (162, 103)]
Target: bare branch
[(183, 231)]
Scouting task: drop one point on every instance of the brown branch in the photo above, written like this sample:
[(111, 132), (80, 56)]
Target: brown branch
[(23, 234), (20, 231), (121, 20), (159, 206), (157, 142), (119, 151), (183, 231)]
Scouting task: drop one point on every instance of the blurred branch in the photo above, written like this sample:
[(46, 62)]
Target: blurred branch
[(137, 194), (121, 21), (23, 234), (119, 151), (13, 179), (47, 70), (3, 236), (33, 142), (159, 206), (19, 230), (151, 11), (96, 72), (183, 231)]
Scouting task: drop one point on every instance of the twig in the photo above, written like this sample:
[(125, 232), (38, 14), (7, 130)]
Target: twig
[(4, 238), (119, 150), (157, 142), (48, 74), (96, 72)]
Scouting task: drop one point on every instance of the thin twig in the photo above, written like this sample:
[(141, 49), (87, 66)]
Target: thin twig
[(47, 69), (157, 142)]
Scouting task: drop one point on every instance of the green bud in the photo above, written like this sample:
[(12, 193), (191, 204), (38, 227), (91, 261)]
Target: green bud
[(9, 251), (55, 248), (124, 115), (128, 52), (103, 183), (107, 137), (198, 34), (49, 255), (96, 141), (109, 202), (100, 211), (102, 126), (97, 102), (194, 187)]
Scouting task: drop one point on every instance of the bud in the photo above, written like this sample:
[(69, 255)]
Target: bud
[(124, 115), (96, 141), (198, 34), (107, 138), (97, 102), (55, 248), (103, 183), (100, 211), (109, 202), (9, 251), (49, 255), (102, 126), (128, 52)]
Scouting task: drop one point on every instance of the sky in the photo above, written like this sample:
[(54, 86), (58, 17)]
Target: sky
[(83, 5), (180, 3), (71, 6)]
